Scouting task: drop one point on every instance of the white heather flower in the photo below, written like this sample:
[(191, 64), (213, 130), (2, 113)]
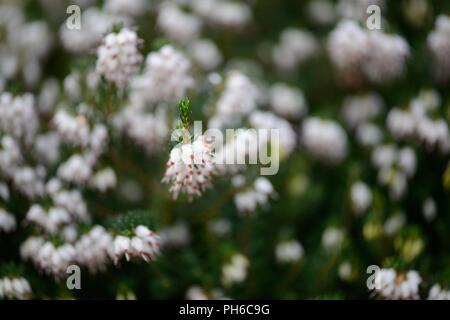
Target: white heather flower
[(439, 45), (259, 192), (98, 140), (15, 288), (407, 161), (348, 49), (384, 156), (190, 167), (46, 147), (4, 191), (368, 134), (72, 129), (361, 197), (104, 179), (176, 24), (72, 85), (395, 167), (223, 13), (205, 53), (47, 257), (358, 109), (332, 238), (72, 201), (289, 251), (236, 270), (325, 139), (401, 123), (7, 221), (434, 133), (76, 169), (95, 24), (286, 101), (394, 223), (10, 155), (196, 293), (51, 221), (429, 209), (95, 249), (166, 76), (48, 95), (294, 48), (386, 57), (239, 98), (397, 286), (29, 181), (119, 57), (18, 116), (69, 233), (145, 244), (438, 293)]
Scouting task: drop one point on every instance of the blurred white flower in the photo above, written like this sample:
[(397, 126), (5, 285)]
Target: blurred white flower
[(395, 286), (95, 249), (429, 209), (205, 53), (325, 139), (438, 293), (76, 169), (15, 288), (7, 221), (176, 24), (166, 77), (223, 13), (361, 197), (289, 251), (47, 257), (236, 270), (439, 45), (104, 179), (294, 48), (286, 101), (259, 192), (332, 238), (119, 57)]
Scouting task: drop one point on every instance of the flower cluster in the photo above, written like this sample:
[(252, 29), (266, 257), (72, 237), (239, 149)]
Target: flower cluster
[(325, 139), (392, 285), (15, 288), (143, 245), (294, 48), (259, 192), (289, 251), (236, 270), (358, 53), (190, 167), (166, 77), (119, 57)]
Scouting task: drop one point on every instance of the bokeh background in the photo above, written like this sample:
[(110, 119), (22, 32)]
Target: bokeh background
[(364, 145)]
